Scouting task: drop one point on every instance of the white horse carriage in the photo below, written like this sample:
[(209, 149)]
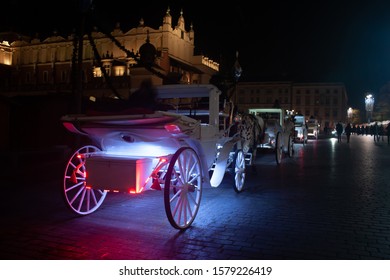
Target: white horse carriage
[(176, 151), (277, 131)]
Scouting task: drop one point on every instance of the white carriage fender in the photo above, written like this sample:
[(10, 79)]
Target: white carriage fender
[(221, 163)]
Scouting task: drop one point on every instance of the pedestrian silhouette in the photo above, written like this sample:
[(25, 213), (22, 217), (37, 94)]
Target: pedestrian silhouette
[(339, 131), (381, 132), (375, 132), (348, 130)]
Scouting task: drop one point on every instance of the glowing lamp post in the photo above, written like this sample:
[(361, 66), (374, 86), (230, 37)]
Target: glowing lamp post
[(369, 101), (349, 114)]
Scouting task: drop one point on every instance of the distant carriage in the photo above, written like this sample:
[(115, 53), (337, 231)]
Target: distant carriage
[(277, 131)]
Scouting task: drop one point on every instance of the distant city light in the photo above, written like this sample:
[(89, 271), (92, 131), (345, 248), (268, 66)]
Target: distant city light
[(369, 101), (349, 113)]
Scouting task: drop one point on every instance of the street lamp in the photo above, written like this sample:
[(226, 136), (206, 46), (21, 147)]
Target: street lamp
[(349, 114), (237, 75), (369, 101), (237, 71)]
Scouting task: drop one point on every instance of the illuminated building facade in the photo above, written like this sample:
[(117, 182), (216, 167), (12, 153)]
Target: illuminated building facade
[(41, 66)]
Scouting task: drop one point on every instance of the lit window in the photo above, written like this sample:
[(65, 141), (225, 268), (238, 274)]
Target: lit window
[(97, 72)]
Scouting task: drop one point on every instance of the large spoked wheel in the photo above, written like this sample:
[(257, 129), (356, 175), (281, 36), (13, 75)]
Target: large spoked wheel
[(278, 148), (183, 188), (239, 170), (290, 146), (78, 196)]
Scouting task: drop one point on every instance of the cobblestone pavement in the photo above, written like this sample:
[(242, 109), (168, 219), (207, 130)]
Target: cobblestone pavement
[(330, 201)]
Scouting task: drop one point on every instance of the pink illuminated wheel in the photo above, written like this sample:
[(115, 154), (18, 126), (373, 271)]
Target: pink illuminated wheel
[(183, 188), (278, 148), (239, 170), (78, 196)]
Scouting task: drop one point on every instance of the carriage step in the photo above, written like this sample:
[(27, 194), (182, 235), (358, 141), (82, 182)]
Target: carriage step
[(248, 159)]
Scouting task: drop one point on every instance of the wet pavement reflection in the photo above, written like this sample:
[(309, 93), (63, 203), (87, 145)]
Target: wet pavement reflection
[(329, 201)]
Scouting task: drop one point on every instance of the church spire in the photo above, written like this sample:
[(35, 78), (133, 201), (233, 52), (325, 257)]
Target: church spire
[(168, 18), (180, 21)]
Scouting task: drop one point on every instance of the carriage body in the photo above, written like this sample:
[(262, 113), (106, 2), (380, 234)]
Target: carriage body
[(301, 129), (128, 148), (170, 150), (313, 128)]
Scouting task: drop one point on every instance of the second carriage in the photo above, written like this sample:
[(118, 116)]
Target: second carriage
[(277, 131), (179, 151)]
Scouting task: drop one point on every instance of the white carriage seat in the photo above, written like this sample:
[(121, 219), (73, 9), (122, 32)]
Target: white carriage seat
[(193, 127), (188, 125)]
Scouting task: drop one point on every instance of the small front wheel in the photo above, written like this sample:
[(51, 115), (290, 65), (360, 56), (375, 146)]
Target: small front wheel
[(79, 197), (239, 170), (183, 188)]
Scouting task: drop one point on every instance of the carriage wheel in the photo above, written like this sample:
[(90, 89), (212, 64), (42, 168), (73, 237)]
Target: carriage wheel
[(290, 146), (239, 170), (183, 188), (78, 196), (278, 148)]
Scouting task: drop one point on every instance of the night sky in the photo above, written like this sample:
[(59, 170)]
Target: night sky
[(301, 41)]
